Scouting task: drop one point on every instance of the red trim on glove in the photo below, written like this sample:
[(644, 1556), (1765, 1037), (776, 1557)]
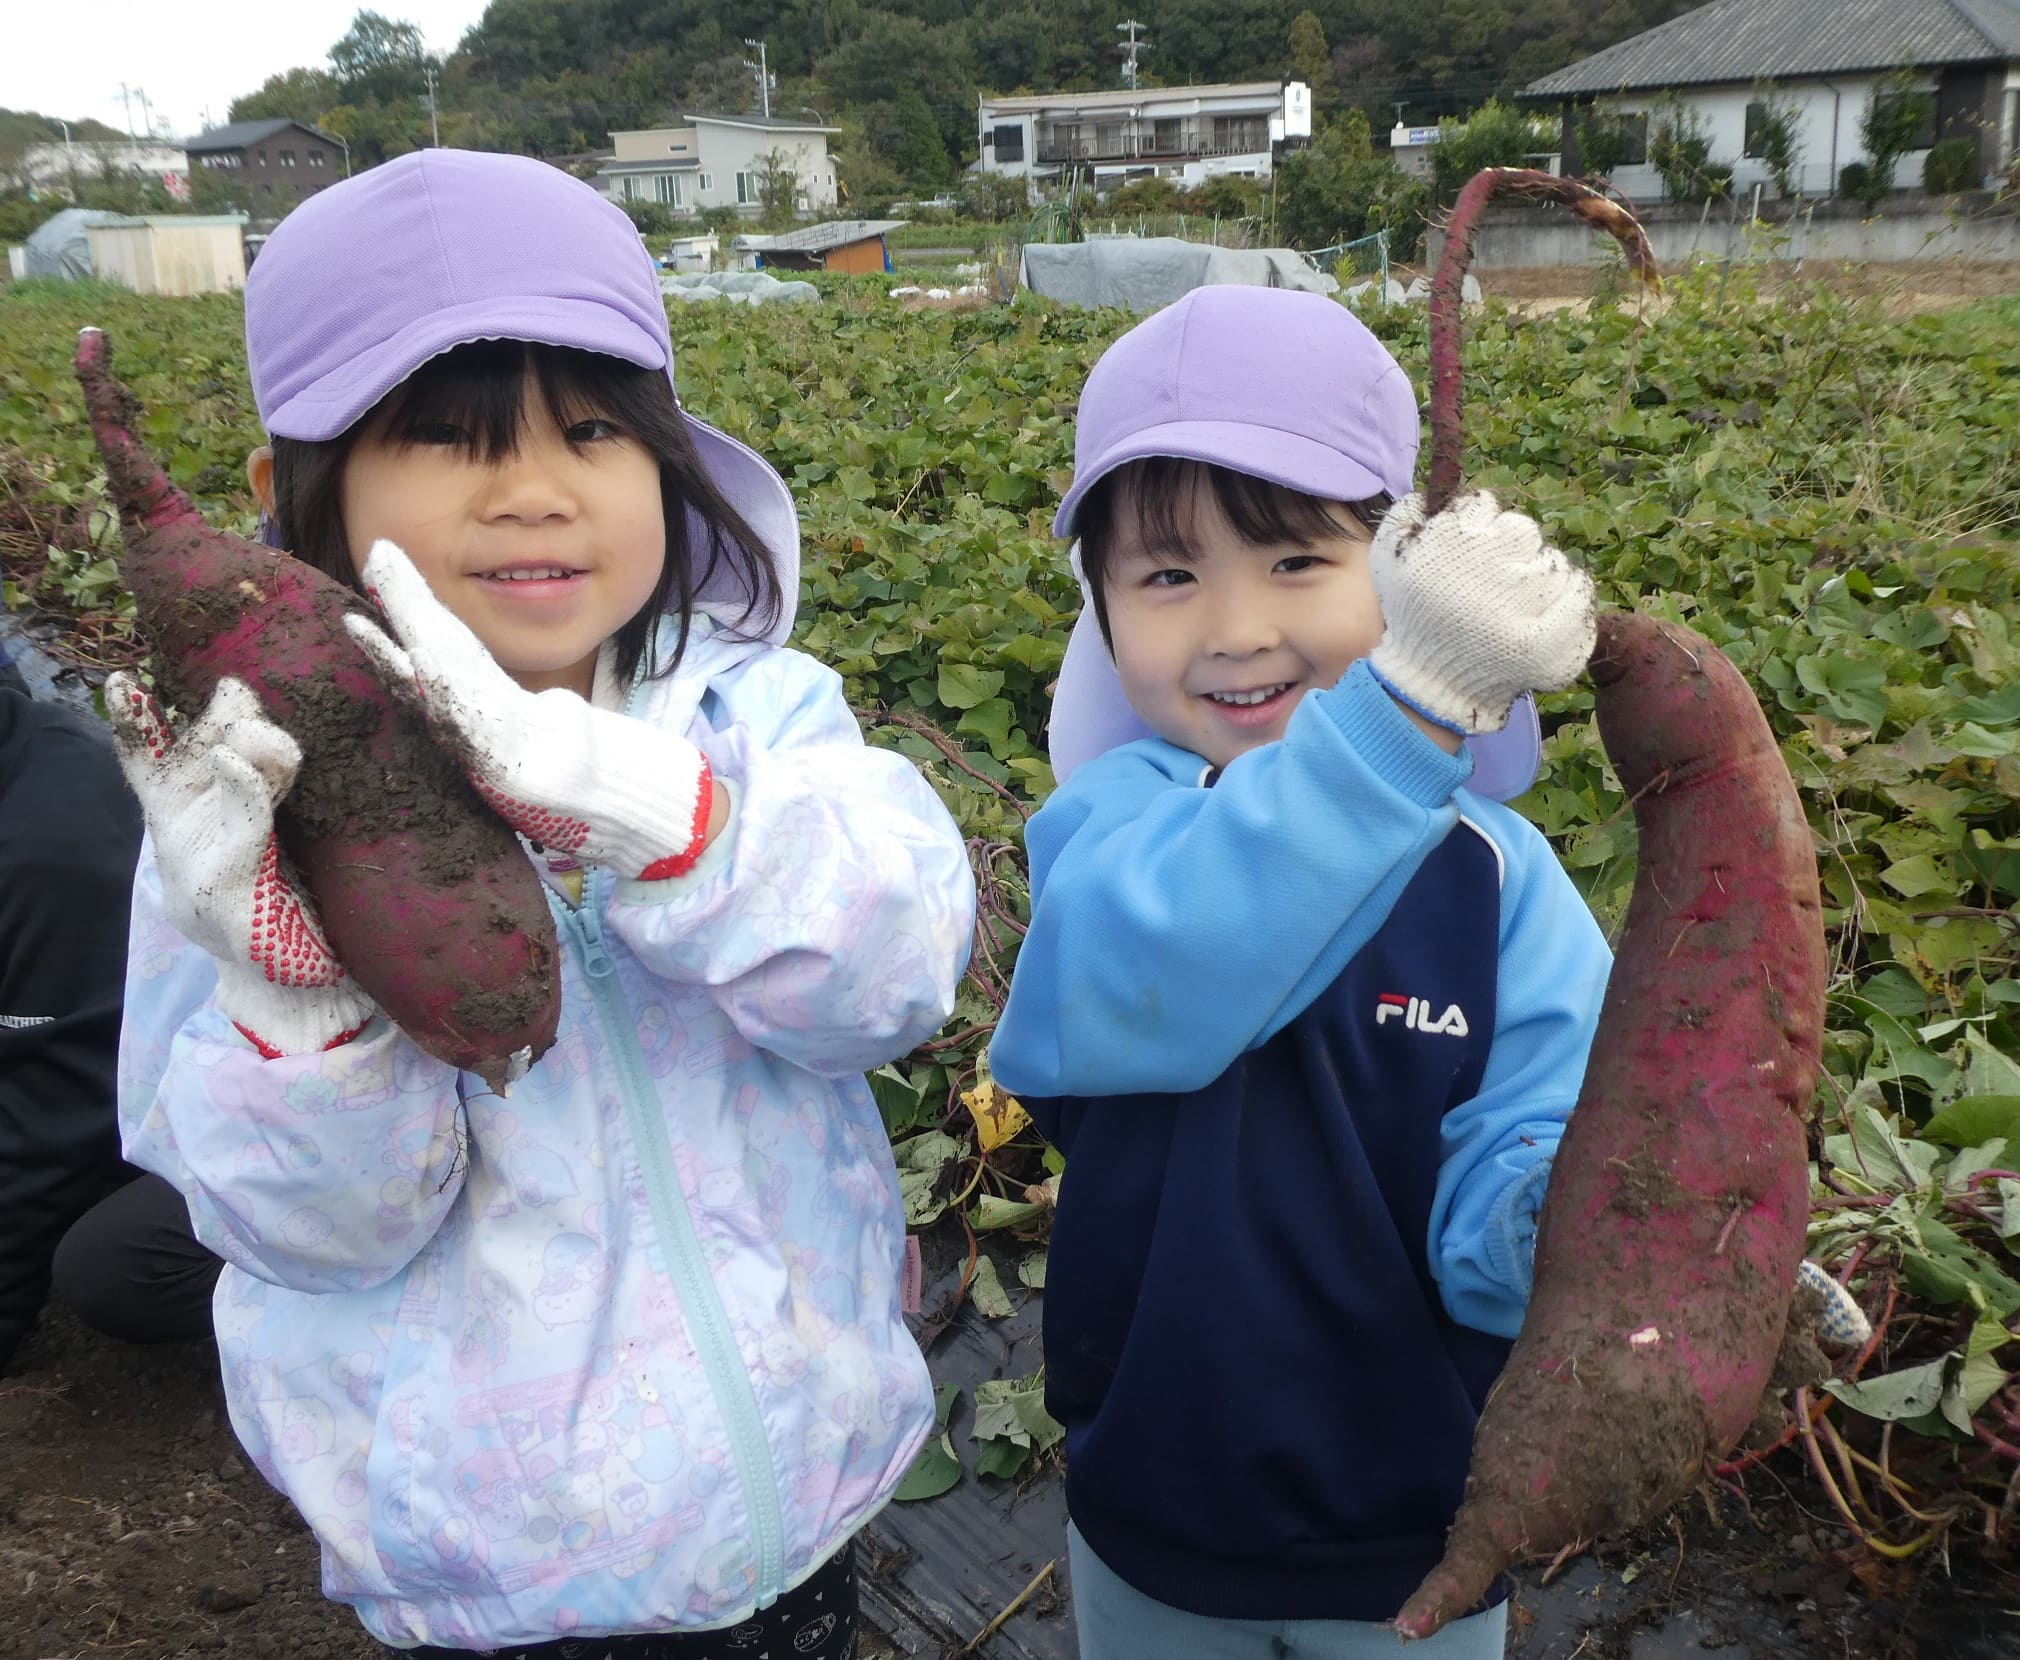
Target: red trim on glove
[(679, 864), (269, 1053)]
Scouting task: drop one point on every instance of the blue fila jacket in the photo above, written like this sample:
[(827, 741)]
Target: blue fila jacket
[(1307, 1033)]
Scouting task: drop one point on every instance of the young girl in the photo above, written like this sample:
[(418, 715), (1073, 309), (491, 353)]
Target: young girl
[(620, 1356)]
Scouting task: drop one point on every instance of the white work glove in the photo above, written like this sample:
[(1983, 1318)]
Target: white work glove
[(1842, 1324), (563, 773), (209, 795), (1478, 608)]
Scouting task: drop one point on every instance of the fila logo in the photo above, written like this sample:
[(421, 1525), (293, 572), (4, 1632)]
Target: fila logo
[(1417, 1015)]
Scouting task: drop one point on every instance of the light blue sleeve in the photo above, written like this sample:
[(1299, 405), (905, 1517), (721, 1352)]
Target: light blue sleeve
[(323, 1172), (1497, 1148), (1175, 928), (831, 918)]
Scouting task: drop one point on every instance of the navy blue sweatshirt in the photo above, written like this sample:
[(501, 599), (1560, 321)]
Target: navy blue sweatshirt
[(1284, 1272)]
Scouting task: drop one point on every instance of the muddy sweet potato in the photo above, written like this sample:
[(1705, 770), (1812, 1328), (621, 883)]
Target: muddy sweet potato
[(1669, 1242), (424, 894), (1668, 1245)]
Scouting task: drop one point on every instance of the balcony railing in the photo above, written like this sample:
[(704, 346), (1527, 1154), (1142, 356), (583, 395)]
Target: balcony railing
[(1143, 147)]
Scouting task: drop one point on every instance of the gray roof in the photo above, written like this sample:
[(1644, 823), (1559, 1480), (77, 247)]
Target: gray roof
[(773, 122), (1752, 40), (242, 133), (819, 238)]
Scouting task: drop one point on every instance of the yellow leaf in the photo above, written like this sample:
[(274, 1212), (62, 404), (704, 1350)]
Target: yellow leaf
[(998, 1117)]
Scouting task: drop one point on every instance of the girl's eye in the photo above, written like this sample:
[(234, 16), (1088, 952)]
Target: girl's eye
[(1299, 562), (1171, 577), (593, 431), (445, 433)]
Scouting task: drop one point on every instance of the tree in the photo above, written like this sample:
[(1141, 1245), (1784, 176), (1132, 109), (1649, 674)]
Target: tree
[(1494, 135), (1772, 125), (778, 191), (1900, 118), (1679, 149), (379, 60), (294, 95), (1311, 57)]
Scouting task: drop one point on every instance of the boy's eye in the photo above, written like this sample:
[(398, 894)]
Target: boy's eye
[(1299, 562)]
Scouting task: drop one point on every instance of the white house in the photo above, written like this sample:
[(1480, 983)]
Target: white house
[(54, 166), (1183, 133), (1825, 60), (713, 161)]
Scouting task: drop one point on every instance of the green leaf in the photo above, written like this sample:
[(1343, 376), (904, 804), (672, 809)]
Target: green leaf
[(922, 1162), (1903, 1394), (986, 1291), (963, 685), (1032, 1270), (992, 1211), (936, 1470), (1911, 878), (1005, 1459), (1972, 1119)]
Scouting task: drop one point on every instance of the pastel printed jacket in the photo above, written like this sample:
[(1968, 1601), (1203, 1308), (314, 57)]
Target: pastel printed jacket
[(622, 1352)]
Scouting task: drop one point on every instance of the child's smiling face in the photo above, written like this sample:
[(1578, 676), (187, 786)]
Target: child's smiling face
[(1215, 649), (545, 552)]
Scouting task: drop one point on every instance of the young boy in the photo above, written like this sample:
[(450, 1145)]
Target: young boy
[(1305, 1013)]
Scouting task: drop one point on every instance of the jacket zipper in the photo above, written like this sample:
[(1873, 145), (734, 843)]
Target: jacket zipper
[(707, 1319)]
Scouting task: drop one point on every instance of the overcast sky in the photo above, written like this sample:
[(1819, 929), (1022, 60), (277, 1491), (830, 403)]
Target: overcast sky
[(68, 57)]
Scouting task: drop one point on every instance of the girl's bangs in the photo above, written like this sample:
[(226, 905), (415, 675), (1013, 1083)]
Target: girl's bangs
[(480, 389)]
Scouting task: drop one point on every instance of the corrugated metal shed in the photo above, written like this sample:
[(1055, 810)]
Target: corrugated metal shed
[(1748, 40)]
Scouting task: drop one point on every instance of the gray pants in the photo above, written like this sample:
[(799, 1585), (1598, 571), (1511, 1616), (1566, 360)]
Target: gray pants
[(1117, 1622)]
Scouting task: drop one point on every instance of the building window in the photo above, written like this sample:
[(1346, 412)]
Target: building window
[(1916, 111), (263, 158), (631, 190), (1235, 133), (1633, 131), (707, 181), (315, 158), (1010, 142), (747, 192), (287, 158), (1166, 136)]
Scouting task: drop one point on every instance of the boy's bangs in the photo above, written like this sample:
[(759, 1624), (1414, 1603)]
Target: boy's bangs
[(1161, 492), (480, 389)]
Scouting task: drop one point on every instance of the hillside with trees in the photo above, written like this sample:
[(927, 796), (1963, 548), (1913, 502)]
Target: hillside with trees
[(556, 77)]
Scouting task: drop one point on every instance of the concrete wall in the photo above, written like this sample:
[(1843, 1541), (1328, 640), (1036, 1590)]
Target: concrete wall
[(1910, 227)]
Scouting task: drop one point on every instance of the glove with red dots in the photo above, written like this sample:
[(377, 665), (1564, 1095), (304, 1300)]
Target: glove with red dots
[(576, 779), (209, 795), (1478, 609)]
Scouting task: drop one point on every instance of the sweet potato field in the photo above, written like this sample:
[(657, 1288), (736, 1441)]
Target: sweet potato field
[(1830, 496)]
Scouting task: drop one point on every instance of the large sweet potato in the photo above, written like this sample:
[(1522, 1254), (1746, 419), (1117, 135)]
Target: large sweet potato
[(1678, 1201), (424, 894), (1668, 1246)]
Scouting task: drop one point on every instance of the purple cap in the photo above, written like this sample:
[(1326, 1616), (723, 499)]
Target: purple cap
[(366, 281), (1282, 385)]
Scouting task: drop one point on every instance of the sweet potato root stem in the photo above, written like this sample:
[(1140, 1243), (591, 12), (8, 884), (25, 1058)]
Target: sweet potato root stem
[(1601, 212)]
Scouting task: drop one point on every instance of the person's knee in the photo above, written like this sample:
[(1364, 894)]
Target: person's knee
[(130, 1268)]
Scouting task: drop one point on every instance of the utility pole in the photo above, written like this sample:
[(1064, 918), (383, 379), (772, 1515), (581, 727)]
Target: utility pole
[(434, 122), (1129, 49), (126, 103), (146, 113), (762, 70)]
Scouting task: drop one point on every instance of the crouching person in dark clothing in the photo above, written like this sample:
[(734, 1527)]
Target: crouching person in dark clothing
[(117, 1242)]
